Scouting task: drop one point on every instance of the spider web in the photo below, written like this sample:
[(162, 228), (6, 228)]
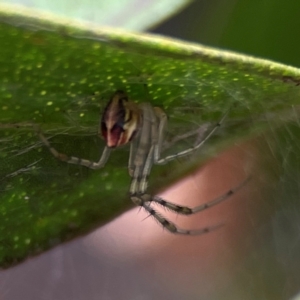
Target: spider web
[(92, 263)]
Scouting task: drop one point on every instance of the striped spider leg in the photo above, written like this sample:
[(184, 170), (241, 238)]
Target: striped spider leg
[(141, 125)]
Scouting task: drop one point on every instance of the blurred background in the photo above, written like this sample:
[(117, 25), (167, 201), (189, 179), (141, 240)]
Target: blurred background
[(255, 255)]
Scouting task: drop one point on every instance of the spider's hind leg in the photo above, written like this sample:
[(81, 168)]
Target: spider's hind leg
[(184, 210), (171, 227)]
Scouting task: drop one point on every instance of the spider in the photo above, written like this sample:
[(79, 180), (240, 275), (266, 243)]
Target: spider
[(124, 121)]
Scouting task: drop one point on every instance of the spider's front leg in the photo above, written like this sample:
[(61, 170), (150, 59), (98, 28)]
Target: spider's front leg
[(72, 159), (118, 124)]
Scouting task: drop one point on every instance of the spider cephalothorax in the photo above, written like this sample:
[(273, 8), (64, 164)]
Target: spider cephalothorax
[(120, 120)]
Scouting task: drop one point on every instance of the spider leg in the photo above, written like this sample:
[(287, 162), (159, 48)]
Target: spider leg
[(162, 161), (72, 159), (171, 227), (141, 159), (145, 151), (184, 210), (140, 198)]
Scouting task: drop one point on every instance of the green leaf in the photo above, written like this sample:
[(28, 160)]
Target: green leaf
[(59, 74)]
